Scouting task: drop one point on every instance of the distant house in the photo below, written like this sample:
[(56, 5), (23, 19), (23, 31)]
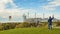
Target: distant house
[(33, 20), (36, 20), (56, 20), (44, 20)]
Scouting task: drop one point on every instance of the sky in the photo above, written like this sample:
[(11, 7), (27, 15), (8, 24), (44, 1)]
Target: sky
[(16, 8)]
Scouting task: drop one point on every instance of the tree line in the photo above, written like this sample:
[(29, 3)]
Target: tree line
[(13, 25)]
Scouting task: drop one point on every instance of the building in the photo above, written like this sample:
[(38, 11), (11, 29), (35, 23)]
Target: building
[(24, 17), (36, 20), (10, 18)]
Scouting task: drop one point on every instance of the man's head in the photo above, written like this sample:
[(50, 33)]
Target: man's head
[(49, 16)]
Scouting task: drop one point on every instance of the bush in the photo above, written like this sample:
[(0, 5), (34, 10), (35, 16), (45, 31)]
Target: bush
[(26, 24), (1, 27), (58, 24), (23, 25)]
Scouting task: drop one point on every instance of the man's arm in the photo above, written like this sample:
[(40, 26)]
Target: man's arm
[(52, 17)]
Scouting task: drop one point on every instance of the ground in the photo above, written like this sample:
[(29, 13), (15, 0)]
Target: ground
[(31, 31)]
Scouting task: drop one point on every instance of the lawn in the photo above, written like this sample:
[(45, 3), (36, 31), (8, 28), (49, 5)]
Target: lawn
[(31, 31)]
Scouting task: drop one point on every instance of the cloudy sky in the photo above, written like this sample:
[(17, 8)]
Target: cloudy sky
[(16, 8)]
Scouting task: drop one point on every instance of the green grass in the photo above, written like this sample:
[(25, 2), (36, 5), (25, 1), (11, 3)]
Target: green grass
[(31, 31)]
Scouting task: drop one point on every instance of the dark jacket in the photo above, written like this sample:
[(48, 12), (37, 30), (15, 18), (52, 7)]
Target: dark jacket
[(50, 21)]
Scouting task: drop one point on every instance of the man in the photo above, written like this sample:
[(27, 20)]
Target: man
[(50, 22)]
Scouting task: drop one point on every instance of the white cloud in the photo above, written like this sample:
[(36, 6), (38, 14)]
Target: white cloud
[(18, 12), (48, 8), (55, 3), (52, 5), (13, 12)]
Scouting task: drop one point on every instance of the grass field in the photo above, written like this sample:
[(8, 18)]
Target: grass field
[(31, 31)]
